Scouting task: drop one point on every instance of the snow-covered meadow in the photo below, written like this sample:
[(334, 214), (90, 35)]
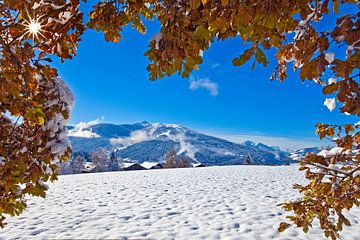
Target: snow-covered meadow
[(232, 202)]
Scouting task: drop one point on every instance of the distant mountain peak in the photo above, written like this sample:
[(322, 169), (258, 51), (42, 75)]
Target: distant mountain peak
[(144, 123), (249, 143)]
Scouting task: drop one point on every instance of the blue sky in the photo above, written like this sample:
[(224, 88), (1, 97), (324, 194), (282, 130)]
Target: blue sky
[(110, 80)]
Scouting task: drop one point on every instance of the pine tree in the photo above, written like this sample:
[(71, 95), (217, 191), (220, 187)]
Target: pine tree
[(287, 161), (113, 162), (248, 160)]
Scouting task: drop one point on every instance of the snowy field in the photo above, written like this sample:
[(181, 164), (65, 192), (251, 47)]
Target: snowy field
[(233, 202)]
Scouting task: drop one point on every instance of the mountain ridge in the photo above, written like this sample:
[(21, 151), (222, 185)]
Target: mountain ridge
[(146, 141)]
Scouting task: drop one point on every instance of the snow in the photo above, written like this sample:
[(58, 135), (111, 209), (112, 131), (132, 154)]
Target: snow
[(332, 152), (89, 166), (340, 38), (157, 37), (356, 174), (233, 202), (331, 81), (329, 57), (300, 30), (128, 164), (330, 103), (57, 123), (201, 53), (149, 165)]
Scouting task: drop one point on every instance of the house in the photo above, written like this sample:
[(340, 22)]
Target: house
[(89, 167), (196, 165), (151, 165), (127, 166)]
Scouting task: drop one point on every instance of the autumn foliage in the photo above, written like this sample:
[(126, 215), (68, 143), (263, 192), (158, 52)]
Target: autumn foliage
[(35, 103)]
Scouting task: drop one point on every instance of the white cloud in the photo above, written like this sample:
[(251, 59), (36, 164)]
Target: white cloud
[(149, 133), (185, 147), (205, 83), (135, 137), (215, 65), (83, 129)]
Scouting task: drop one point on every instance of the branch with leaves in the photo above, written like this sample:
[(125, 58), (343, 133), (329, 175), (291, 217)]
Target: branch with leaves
[(334, 182), (33, 31)]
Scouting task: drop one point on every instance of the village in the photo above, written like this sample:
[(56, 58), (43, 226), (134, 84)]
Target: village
[(105, 161)]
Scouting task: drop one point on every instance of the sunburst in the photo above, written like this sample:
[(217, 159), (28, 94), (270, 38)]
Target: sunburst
[(34, 27)]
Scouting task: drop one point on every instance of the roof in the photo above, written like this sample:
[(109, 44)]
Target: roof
[(149, 165), (89, 166), (198, 165), (129, 164)]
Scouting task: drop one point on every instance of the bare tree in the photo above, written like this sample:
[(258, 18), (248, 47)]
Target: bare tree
[(99, 159), (170, 160), (64, 168), (77, 164), (184, 162)]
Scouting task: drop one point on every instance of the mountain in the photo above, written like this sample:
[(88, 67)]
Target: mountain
[(146, 141), (301, 153)]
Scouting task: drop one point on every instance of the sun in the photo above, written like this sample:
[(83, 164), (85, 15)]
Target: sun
[(34, 27)]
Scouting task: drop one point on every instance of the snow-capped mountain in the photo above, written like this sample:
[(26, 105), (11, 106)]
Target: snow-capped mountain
[(301, 153), (146, 141)]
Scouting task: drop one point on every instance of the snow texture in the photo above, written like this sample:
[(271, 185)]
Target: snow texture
[(233, 202), (332, 152), (149, 165), (57, 124)]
